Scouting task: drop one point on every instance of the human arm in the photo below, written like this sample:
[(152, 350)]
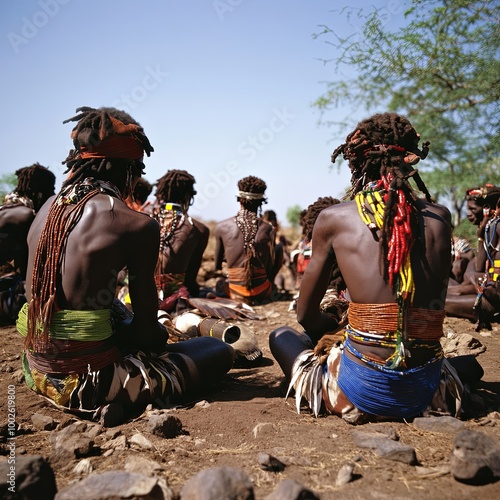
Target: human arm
[(219, 248), (315, 283), (143, 331), (15, 223), (201, 240)]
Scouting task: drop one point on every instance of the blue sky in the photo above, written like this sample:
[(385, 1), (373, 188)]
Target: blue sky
[(223, 88)]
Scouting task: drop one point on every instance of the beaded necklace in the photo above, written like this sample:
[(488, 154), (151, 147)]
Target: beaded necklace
[(247, 223), (170, 217), (398, 255), (13, 199), (489, 235), (71, 195), (50, 252)]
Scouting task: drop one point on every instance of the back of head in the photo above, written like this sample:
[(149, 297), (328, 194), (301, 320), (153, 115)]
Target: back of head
[(271, 217), (251, 193), (382, 151), (176, 186), (381, 145), (36, 182), (312, 213), (142, 190), (109, 146)]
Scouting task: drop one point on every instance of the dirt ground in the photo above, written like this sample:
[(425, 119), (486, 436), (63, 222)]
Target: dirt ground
[(246, 414)]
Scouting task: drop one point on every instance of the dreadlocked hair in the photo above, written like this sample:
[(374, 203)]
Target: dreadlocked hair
[(35, 182), (142, 190), (247, 220), (381, 152), (312, 212), (310, 216), (176, 186), (253, 185), (93, 127), (89, 166)]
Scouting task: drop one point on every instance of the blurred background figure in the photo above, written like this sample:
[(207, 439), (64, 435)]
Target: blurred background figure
[(35, 185)]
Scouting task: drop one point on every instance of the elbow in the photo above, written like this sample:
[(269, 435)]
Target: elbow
[(305, 319)]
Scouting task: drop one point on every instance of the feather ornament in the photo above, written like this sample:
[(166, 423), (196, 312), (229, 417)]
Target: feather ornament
[(223, 308), (307, 380)]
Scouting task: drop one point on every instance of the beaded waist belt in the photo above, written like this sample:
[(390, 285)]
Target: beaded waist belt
[(382, 319)]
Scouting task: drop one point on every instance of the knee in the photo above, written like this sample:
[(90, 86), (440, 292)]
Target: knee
[(279, 332)]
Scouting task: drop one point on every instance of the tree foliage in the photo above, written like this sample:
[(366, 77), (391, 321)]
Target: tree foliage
[(7, 184), (442, 70), (293, 216)]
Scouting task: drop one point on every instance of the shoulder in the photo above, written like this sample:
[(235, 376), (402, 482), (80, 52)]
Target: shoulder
[(336, 212), (434, 209), (224, 225), (202, 228), (16, 215), (122, 216)]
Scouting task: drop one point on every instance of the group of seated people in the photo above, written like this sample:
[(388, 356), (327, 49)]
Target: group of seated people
[(386, 250)]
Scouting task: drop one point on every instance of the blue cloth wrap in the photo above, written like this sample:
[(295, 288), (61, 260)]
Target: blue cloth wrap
[(389, 393)]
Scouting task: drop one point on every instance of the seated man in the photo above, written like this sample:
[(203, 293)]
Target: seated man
[(487, 304), (462, 254), (304, 250), (281, 253), (182, 239), (393, 251), (79, 350), (464, 299), (247, 243), (35, 184)]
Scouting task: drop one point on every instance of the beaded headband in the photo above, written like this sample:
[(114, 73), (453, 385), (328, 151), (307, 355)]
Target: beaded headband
[(251, 196)]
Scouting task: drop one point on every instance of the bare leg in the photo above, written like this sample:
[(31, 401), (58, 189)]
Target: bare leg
[(460, 306), (286, 344), (206, 359)]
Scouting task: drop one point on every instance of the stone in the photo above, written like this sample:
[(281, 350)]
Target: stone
[(71, 442), (385, 447), (33, 478), (461, 345), (138, 441), (394, 450), (288, 489), (83, 467), (116, 485), (43, 422), (475, 458), (166, 426), (270, 463), (445, 424), (143, 465), (218, 483), (344, 475), (119, 443)]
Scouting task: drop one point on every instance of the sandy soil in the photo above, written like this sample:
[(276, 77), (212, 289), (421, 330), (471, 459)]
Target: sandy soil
[(246, 414)]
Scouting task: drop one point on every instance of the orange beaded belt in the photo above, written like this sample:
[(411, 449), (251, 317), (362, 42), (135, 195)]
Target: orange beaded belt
[(423, 324)]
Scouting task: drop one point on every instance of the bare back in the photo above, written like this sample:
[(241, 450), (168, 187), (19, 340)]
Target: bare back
[(108, 237), (15, 223), (184, 252), (340, 233), (229, 244)]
